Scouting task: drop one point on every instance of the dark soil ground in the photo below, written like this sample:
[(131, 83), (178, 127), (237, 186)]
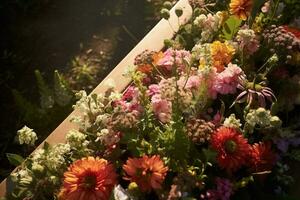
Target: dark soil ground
[(49, 38)]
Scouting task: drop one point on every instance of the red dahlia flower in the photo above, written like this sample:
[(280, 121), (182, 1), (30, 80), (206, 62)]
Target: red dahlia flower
[(147, 172), (262, 157), (233, 149)]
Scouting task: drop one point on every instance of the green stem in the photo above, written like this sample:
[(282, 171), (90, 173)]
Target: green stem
[(275, 9)]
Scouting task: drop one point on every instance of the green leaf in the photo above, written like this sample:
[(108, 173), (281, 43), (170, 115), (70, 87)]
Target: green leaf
[(62, 92), (29, 111), (210, 155), (14, 159), (230, 27), (295, 154), (47, 100)]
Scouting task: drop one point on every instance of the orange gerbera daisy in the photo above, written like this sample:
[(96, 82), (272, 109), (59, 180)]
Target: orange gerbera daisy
[(221, 54), (241, 8), (89, 179), (147, 172), (233, 149)]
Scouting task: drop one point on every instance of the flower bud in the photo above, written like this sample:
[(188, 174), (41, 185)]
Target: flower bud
[(275, 121), (179, 12), (164, 13), (167, 5)]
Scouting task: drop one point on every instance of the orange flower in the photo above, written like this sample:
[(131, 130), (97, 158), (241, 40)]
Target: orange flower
[(241, 8), (89, 179), (146, 67), (156, 57), (221, 54), (147, 172)]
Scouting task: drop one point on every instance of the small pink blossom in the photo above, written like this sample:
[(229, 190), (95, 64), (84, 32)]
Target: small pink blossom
[(168, 60), (153, 89), (226, 82), (266, 7), (161, 108), (130, 94), (217, 118), (193, 82)]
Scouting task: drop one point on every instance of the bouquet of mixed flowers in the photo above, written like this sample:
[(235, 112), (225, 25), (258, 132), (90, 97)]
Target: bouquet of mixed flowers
[(212, 116)]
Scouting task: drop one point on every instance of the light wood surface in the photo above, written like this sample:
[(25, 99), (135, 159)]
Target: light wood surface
[(154, 40)]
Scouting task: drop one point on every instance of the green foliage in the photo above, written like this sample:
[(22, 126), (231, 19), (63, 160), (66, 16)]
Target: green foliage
[(230, 27), (28, 111), (14, 159), (62, 92), (46, 94), (210, 155), (174, 145), (257, 4), (295, 154), (55, 102)]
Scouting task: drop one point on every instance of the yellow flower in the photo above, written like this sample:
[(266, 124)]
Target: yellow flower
[(221, 54), (241, 8)]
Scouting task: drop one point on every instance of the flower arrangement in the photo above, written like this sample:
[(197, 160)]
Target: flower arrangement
[(212, 116)]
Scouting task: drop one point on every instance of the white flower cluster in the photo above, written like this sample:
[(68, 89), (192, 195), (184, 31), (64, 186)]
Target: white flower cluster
[(76, 139), (90, 106), (52, 158), (261, 118), (209, 25), (232, 122), (247, 41), (23, 177), (26, 136)]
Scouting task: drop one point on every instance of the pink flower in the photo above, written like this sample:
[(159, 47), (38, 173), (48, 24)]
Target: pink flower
[(193, 82), (168, 60), (130, 94), (153, 89), (266, 7), (227, 81), (161, 108)]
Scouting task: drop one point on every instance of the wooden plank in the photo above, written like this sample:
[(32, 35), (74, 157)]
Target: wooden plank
[(154, 40)]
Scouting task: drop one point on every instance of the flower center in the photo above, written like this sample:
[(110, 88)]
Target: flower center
[(89, 182), (230, 146)]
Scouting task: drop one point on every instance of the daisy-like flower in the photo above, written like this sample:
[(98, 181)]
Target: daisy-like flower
[(221, 54), (262, 157), (90, 179), (147, 172), (254, 93), (241, 8), (232, 148)]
